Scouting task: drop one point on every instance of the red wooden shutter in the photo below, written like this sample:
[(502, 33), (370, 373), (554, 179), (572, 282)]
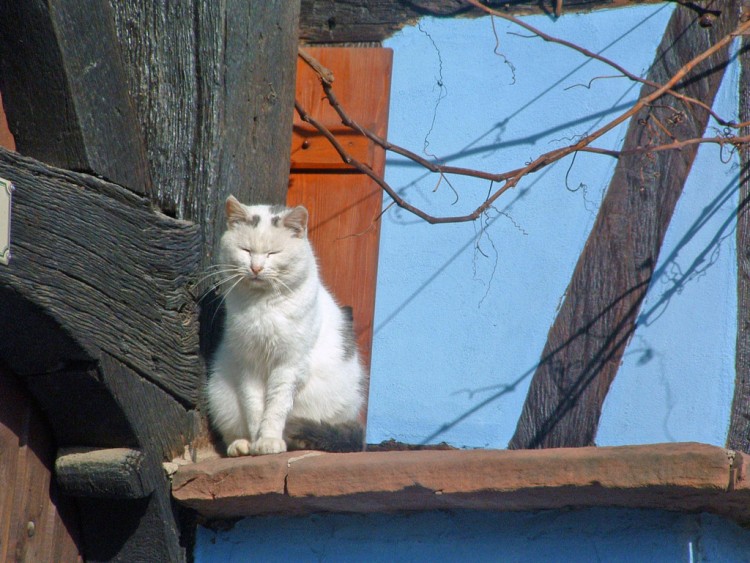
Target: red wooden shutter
[(344, 204), (6, 138)]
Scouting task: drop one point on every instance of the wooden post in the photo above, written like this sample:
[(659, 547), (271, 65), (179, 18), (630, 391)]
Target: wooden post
[(214, 90), (738, 437), (586, 342), (64, 90)]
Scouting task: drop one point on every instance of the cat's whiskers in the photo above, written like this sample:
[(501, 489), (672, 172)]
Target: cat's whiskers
[(216, 285), (220, 270), (226, 294), (276, 282), (216, 270), (215, 288)]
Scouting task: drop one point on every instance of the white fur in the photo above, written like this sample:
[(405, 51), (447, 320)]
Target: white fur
[(282, 354)]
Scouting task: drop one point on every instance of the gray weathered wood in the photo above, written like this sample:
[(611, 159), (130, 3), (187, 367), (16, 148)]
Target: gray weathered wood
[(112, 407), (108, 269), (355, 21), (65, 90), (113, 473), (738, 436), (586, 342), (214, 84), (109, 407), (145, 529)]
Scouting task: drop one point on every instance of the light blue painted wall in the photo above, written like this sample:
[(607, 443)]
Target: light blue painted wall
[(463, 311), (611, 535)]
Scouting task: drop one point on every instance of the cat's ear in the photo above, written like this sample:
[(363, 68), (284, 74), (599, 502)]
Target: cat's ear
[(296, 220), (235, 211)]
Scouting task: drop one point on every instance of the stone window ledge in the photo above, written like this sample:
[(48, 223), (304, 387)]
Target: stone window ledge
[(688, 477)]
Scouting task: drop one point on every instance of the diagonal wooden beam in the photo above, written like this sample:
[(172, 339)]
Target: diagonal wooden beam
[(65, 90), (108, 269), (586, 342), (739, 424)]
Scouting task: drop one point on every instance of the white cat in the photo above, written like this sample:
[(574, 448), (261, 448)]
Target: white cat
[(287, 371)]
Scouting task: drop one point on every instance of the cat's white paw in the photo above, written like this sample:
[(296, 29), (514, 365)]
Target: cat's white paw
[(239, 447), (264, 446)]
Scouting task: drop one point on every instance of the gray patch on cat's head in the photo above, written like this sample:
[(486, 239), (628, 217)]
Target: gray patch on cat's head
[(254, 220), (277, 209), (347, 333)]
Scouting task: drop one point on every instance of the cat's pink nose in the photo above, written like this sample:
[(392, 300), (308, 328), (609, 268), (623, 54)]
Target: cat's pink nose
[(256, 268)]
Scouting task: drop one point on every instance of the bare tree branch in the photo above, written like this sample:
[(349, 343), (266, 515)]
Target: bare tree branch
[(511, 178), (590, 54)]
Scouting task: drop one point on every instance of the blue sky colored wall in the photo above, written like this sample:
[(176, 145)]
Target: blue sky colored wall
[(611, 535), (463, 311)]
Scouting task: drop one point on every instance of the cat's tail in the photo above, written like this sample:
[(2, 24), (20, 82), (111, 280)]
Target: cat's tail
[(305, 434)]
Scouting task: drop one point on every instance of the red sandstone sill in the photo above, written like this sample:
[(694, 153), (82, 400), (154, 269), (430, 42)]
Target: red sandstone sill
[(688, 477)]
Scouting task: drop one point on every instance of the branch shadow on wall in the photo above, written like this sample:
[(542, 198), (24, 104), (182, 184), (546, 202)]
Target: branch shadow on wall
[(669, 273), (474, 148)]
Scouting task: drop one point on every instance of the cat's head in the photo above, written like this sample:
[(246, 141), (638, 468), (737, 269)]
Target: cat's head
[(266, 244)]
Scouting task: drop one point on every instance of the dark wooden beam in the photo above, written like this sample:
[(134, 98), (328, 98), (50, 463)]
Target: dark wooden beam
[(97, 317), (214, 88), (112, 473), (357, 21), (108, 269), (586, 342), (738, 436), (65, 91)]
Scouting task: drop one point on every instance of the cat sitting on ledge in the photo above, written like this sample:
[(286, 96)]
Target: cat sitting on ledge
[(287, 373)]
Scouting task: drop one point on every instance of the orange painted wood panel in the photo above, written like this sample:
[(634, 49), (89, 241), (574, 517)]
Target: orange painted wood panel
[(312, 151), (345, 205), (6, 138)]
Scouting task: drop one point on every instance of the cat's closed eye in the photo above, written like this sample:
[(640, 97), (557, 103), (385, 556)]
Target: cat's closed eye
[(252, 251)]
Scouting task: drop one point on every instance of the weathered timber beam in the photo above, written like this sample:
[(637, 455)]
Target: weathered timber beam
[(598, 317), (114, 473), (126, 427), (738, 436), (144, 529), (108, 269), (214, 89), (356, 21), (214, 85), (108, 405), (65, 90)]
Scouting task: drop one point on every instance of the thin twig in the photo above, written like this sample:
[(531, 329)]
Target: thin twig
[(325, 74), (510, 179), (551, 39)]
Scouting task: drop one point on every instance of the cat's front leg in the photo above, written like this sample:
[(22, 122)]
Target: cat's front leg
[(250, 396), (280, 391)]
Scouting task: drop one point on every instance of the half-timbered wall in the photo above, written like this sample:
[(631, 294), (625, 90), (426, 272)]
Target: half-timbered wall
[(482, 297)]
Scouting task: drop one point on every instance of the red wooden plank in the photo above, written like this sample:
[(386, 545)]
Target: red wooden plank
[(312, 151), (6, 137), (345, 206)]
